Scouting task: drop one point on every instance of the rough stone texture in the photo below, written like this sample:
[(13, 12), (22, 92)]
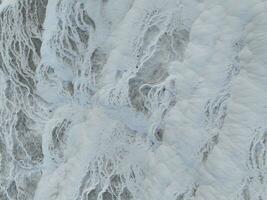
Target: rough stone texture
[(133, 100)]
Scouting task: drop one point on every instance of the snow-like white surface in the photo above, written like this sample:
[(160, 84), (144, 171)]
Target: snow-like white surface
[(133, 99)]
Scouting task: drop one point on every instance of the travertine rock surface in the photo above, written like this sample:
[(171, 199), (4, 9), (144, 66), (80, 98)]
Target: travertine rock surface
[(133, 100)]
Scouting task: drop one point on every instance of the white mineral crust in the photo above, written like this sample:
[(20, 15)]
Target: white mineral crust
[(133, 100)]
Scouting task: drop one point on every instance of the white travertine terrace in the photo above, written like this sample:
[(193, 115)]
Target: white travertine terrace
[(133, 100)]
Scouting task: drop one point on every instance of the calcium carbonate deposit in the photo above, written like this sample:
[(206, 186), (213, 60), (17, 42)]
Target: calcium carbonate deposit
[(133, 100)]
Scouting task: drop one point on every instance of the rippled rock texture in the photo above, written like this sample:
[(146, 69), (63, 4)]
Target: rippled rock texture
[(133, 100)]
